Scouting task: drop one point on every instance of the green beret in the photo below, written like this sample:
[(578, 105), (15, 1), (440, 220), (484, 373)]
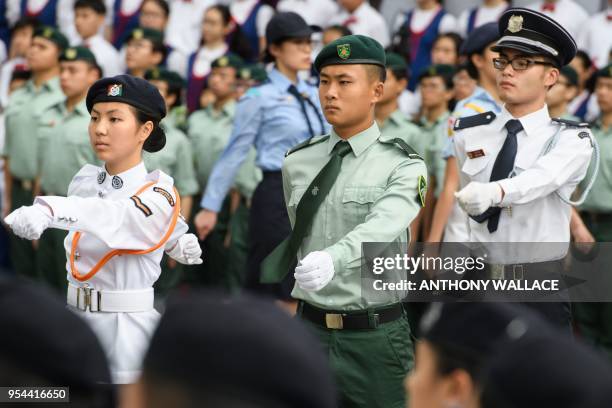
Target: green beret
[(441, 70), (150, 34), (605, 72), (255, 72), (78, 54), (52, 34), (570, 74), (395, 61), (165, 75), (351, 49), (228, 60)]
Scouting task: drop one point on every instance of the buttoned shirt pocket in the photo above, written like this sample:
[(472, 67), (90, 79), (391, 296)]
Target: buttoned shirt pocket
[(357, 202), (475, 168)]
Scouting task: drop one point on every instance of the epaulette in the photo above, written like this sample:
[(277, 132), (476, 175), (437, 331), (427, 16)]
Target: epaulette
[(475, 120), (568, 122), (402, 145), (309, 142)]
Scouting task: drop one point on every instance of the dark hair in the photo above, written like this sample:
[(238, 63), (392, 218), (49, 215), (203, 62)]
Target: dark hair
[(340, 28), (237, 41), (177, 91), (585, 60), (399, 74), (454, 37), (162, 4), (449, 360), (96, 5), (157, 139), (471, 68), (24, 22), (376, 71)]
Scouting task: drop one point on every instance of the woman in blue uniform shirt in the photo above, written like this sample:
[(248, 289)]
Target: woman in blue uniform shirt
[(275, 116)]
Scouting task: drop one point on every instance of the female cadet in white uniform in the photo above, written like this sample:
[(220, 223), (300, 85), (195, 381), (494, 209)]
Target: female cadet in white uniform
[(120, 219)]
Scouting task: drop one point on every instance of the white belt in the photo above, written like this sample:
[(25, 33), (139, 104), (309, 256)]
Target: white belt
[(110, 301)]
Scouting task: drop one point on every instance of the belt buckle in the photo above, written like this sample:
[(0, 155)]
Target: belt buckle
[(516, 268), (333, 321), (497, 271), (87, 299)]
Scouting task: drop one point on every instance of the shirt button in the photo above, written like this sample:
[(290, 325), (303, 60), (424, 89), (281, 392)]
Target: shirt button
[(329, 236), (100, 194)]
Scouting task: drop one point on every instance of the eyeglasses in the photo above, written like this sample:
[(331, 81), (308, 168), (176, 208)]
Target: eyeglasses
[(518, 63)]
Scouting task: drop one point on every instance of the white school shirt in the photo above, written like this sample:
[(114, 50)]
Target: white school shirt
[(365, 20), (484, 15), (568, 13), (596, 37)]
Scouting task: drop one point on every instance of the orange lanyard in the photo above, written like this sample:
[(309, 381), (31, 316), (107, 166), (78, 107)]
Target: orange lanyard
[(115, 252)]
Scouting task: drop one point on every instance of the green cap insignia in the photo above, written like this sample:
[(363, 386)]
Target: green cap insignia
[(115, 90), (245, 73), (223, 61), (422, 189), (47, 32), (137, 34), (71, 53), (344, 50)]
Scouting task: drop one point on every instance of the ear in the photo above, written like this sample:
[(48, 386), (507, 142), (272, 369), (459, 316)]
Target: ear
[(551, 76), (274, 50), (478, 60), (460, 390), (402, 84), (145, 131), (571, 92), (379, 89), (157, 58), (170, 99)]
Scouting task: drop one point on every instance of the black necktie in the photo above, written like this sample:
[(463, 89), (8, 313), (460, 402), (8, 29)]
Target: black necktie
[(293, 91), (276, 265), (503, 166)]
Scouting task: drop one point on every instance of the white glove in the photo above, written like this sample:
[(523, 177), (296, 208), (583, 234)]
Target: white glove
[(186, 250), (315, 271), (476, 197), (29, 222)]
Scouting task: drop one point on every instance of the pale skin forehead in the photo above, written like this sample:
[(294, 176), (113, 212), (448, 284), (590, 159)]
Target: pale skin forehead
[(107, 108)]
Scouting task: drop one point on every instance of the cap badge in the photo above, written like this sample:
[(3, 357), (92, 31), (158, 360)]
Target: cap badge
[(137, 34), (47, 32), (515, 24), (245, 73), (71, 53), (344, 50), (115, 90), (223, 61)]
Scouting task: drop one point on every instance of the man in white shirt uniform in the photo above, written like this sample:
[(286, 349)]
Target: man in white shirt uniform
[(568, 13), (184, 27), (361, 18), (596, 37), (315, 12), (489, 11), (515, 188)]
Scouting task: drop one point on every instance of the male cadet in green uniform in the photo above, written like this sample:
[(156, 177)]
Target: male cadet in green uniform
[(209, 132), (594, 320), (176, 160), (436, 84), (145, 50), (21, 145), (63, 149), (352, 186)]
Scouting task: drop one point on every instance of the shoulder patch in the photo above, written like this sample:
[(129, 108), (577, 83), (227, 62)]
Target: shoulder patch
[(141, 206), (166, 195), (475, 120), (309, 142), (572, 123), (422, 190), (403, 146)]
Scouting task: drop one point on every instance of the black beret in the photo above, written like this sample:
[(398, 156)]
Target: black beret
[(228, 60), (571, 75), (255, 72), (287, 25), (43, 339), (395, 61), (78, 54), (162, 74), (227, 346), (534, 33), (351, 49), (128, 89), (442, 70), (605, 72), (52, 34), (155, 36), (478, 39), (553, 370), (475, 330)]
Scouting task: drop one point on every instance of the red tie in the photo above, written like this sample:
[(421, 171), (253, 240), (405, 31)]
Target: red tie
[(349, 21), (609, 17), (548, 7)]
